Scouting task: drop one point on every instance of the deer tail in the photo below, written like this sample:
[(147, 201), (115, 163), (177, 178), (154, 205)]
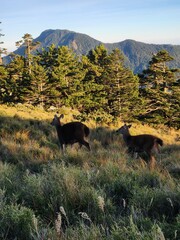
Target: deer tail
[(86, 131)]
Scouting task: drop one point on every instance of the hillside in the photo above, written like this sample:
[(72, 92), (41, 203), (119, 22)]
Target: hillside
[(137, 54), (99, 195)]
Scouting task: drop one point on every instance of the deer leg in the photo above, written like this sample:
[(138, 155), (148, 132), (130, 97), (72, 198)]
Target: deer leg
[(152, 163), (143, 162), (156, 148), (86, 144), (130, 151), (136, 155), (79, 147), (63, 148), (151, 160)]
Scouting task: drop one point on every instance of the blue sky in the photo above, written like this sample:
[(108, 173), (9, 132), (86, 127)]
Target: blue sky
[(150, 21)]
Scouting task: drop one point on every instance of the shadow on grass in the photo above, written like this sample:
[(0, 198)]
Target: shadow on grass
[(31, 143)]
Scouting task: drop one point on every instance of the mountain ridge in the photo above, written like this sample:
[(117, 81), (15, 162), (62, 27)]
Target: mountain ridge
[(137, 54)]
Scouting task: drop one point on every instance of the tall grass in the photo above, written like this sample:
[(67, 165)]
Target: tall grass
[(102, 194)]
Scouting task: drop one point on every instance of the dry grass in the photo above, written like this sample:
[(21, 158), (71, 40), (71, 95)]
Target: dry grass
[(169, 135), (22, 137), (98, 189)]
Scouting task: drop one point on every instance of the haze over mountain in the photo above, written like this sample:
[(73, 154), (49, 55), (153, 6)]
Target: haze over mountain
[(137, 54)]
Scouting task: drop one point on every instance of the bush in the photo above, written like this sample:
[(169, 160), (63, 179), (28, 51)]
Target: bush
[(16, 222)]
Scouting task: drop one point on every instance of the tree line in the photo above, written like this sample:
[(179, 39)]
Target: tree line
[(97, 84)]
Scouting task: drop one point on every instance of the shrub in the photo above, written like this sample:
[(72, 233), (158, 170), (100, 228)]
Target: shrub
[(165, 205), (16, 222)]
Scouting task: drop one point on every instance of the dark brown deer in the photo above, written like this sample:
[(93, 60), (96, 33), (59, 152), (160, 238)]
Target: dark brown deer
[(141, 144), (70, 133)]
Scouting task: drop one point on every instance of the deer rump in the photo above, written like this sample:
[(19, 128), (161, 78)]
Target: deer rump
[(143, 143), (73, 132)]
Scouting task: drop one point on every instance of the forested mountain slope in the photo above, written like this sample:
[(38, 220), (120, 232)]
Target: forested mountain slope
[(137, 54)]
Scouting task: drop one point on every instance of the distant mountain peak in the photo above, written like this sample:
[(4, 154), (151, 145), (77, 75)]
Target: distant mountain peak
[(137, 54)]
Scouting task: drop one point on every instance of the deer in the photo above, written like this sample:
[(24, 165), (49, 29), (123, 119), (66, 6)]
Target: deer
[(70, 133), (144, 143)]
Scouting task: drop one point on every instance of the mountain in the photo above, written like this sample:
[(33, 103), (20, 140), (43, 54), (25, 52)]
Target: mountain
[(137, 54)]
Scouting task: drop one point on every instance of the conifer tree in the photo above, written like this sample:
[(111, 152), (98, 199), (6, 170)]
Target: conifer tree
[(93, 86), (65, 75), (36, 92), (3, 84), (121, 86), (48, 58), (111, 88), (29, 45), (2, 50), (174, 109), (156, 88), (14, 81)]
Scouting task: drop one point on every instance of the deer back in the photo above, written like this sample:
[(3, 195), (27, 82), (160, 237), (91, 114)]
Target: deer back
[(74, 131), (144, 142)]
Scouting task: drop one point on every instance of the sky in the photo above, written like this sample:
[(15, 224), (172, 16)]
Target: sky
[(110, 21)]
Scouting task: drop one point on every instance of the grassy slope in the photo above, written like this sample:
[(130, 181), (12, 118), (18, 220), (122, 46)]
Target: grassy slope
[(99, 195)]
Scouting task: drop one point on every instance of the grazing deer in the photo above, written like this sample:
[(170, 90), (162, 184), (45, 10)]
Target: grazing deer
[(144, 143), (70, 133)]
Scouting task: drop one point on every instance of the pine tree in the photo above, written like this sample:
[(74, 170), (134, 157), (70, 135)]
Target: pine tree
[(121, 86), (158, 75), (65, 78), (94, 98), (14, 80), (36, 93), (2, 50), (3, 84), (111, 88), (174, 99), (29, 45), (48, 58), (156, 88)]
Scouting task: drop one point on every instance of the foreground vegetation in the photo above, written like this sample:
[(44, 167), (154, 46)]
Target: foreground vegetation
[(102, 194)]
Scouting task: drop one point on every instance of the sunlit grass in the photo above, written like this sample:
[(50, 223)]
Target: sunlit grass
[(105, 193)]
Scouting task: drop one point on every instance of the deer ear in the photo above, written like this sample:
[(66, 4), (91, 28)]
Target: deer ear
[(61, 116), (129, 126)]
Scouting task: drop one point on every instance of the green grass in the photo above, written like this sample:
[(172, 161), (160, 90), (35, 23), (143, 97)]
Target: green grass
[(102, 194)]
